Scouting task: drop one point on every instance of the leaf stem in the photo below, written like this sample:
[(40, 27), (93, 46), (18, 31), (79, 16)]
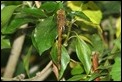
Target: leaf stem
[(68, 34)]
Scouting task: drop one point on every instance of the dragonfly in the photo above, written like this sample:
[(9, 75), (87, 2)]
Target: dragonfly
[(61, 20)]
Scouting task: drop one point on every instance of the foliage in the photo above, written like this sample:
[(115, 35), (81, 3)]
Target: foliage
[(88, 28), (116, 70)]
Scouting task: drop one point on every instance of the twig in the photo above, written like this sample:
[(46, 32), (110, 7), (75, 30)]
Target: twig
[(14, 55), (55, 70), (40, 76), (46, 68), (69, 25)]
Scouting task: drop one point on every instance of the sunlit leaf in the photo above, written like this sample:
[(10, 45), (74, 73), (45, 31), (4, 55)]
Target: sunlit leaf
[(92, 12), (94, 16), (83, 52), (74, 5), (44, 34), (90, 9), (81, 20), (118, 27), (116, 70), (81, 15), (88, 13)]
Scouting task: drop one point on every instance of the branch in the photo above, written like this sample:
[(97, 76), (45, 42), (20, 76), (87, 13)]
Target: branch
[(40, 76), (38, 4), (2, 70), (14, 55), (55, 70)]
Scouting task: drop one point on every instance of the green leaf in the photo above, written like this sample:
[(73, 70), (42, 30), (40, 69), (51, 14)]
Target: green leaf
[(65, 59), (49, 6), (118, 27), (44, 34), (76, 78), (84, 24), (19, 68), (116, 70), (60, 5), (95, 75), (15, 24), (81, 15), (54, 54), (104, 67), (6, 14), (83, 53), (117, 43), (92, 12), (26, 60), (74, 5), (85, 39), (94, 16), (95, 39), (8, 3), (86, 11), (77, 70), (5, 43), (33, 41), (108, 7), (34, 12)]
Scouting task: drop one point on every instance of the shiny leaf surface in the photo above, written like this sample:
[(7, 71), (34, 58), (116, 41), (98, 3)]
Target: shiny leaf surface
[(6, 14), (83, 53), (44, 34), (65, 59)]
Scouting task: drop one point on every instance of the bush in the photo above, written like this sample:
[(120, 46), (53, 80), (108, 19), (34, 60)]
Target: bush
[(77, 40)]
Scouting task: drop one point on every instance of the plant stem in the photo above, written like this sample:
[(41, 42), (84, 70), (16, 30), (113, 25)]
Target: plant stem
[(15, 53), (68, 34)]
